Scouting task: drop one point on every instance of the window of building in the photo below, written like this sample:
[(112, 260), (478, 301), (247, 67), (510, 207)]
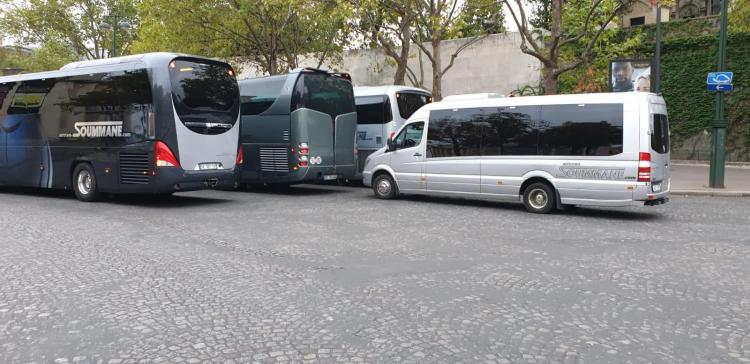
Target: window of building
[(638, 20)]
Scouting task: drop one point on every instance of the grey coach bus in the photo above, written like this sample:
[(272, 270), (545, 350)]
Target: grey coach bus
[(154, 123), (298, 127), (546, 151)]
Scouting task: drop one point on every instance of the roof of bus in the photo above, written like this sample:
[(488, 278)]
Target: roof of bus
[(102, 65), (384, 90), (594, 98)]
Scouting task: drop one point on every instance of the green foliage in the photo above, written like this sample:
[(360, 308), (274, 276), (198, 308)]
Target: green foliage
[(270, 34), (685, 63), (739, 16), (479, 17), (64, 27)]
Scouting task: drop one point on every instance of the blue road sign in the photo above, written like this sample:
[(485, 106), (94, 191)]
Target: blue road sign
[(720, 88), (720, 78)]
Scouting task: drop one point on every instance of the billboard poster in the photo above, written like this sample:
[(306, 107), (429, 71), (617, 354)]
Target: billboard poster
[(630, 75)]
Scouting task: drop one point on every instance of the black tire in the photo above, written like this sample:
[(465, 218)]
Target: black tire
[(539, 198), (384, 187), (84, 183)]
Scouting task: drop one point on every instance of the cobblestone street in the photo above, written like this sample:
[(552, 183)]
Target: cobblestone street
[(324, 274)]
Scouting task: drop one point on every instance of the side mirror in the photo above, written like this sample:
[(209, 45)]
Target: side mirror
[(391, 145)]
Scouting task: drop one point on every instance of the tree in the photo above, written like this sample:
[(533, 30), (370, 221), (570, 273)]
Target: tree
[(273, 35), (585, 22), (70, 24), (438, 20), (739, 16), (387, 24)]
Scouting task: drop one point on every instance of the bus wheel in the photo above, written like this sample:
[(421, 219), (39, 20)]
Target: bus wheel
[(84, 183), (384, 187), (539, 198)]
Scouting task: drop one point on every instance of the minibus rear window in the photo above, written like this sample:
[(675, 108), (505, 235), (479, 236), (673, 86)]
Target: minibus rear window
[(660, 134)]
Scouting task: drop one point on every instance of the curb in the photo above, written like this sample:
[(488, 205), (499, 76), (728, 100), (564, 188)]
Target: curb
[(683, 162), (710, 193)]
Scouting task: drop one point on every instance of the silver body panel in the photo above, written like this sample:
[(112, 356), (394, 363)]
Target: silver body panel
[(578, 180)]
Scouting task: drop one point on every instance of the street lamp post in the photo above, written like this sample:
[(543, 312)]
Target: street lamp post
[(720, 124), (657, 52), (117, 22)]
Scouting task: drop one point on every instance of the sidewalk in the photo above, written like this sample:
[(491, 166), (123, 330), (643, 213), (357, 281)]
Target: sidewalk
[(692, 179)]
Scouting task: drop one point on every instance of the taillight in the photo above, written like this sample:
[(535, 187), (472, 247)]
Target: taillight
[(163, 156), (303, 149), (644, 167), (303, 152), (240, 157)]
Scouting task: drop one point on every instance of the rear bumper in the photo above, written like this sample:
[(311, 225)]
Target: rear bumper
[(305, 174), (167, 180)]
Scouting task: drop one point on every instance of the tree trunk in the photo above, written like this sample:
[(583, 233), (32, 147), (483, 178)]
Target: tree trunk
[(437, 71), (550, 83), (400, 77)]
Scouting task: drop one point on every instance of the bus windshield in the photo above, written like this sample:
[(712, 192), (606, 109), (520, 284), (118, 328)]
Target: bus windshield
[(409, 103), (205, 95), (325, 93)]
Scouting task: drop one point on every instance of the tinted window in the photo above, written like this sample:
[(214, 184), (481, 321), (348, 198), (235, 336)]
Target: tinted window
[(323, 92), (4, 92), (205, 94), (586, 130), (660, 134), (373, 110), (29, 96), (454, 133), (409, 103), (259, 94), (410, 136), (122, 96), (510, 131)]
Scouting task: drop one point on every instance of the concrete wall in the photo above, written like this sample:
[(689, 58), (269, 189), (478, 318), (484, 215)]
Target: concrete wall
[(644, 9), (494, 64)]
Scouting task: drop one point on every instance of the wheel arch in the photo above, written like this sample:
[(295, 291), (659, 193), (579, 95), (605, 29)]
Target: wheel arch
[(540, 177)]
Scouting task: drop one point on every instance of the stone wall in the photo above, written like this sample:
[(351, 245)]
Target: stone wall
[(494, 64)]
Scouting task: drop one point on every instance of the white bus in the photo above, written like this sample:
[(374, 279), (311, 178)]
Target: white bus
[(381, 110), (546, 151)]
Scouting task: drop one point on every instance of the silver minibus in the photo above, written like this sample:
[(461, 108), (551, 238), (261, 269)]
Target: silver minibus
[(546, 151)]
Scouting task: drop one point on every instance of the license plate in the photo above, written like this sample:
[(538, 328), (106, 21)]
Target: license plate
[(209, 166), (656, 187), (330, 177)]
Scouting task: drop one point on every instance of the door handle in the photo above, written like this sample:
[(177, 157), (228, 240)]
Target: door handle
[(417, 154)]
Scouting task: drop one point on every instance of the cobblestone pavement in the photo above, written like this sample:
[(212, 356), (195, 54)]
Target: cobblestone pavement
[(330, 274)]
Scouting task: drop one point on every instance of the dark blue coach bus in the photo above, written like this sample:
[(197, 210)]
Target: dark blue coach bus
[(147, 124)]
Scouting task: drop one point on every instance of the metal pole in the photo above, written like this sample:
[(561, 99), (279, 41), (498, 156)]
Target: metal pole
[(114, 35), (657, 54), (719, 135)]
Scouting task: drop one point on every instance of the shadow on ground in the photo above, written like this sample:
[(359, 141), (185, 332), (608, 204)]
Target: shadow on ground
[(588, 212)]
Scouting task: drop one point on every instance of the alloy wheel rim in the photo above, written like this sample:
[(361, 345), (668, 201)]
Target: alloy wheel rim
[(538, 198), (384, 187), (84, 182)]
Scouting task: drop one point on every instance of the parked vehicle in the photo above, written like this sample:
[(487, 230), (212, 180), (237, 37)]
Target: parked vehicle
[(150, 123), (298, 127), (546, 151), (381, 111)]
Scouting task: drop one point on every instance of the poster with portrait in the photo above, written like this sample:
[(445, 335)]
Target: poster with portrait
[(630, 75)]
